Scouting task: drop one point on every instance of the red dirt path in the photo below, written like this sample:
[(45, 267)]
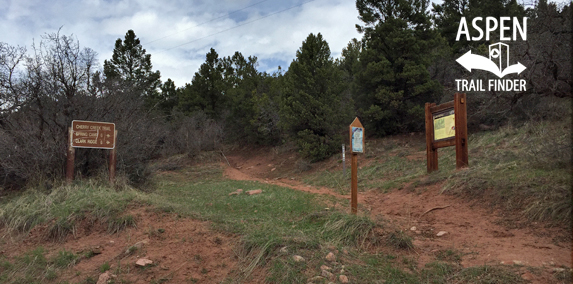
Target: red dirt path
[(481, 235)]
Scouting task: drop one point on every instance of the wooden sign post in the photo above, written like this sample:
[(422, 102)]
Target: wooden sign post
[(91, 134), (356, 146), (446, 125)]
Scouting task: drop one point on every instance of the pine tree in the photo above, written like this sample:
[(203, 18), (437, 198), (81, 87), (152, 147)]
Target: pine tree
[(206, 91), (394, 82), (312, 109), (130, 67)]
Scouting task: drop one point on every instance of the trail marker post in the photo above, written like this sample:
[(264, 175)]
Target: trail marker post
[(343, 161), (446, 125), (91, 134), (356, 146)]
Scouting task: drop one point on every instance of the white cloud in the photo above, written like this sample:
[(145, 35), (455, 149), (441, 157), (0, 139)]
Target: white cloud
[(193, 27)]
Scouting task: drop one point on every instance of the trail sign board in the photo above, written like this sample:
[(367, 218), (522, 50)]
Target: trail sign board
[(93, 134), (356, 137), (444, 124)]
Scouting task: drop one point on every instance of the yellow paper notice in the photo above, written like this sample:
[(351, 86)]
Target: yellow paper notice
[(444, 125)]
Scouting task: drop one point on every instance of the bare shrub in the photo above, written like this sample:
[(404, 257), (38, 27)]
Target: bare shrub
[(192, 134), (58, 84)]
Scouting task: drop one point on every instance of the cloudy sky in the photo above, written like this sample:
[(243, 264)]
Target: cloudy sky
[(178, 33)]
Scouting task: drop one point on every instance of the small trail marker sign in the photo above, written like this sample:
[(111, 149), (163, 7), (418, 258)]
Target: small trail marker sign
[(93, 134), (356, 146)]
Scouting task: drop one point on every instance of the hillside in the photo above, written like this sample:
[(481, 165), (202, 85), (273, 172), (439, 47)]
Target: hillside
[(507, 218)]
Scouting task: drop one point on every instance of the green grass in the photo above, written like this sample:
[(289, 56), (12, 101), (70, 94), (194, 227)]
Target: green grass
[(267, 222), (65, 205), (384, 174), (525, 168), (34, 267)]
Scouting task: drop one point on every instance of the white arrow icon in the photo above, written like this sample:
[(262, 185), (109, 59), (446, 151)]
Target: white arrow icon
[(473, 61)]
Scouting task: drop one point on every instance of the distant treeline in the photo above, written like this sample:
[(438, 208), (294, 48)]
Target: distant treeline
[(406, 57)]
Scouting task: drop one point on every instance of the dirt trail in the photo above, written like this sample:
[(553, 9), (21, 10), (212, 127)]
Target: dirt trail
[(479, 234), (236, 174), (182, 250)]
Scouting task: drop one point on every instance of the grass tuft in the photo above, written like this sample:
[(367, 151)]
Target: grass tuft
[(65, 205), (400, 240), (65, 259), (117, 224)]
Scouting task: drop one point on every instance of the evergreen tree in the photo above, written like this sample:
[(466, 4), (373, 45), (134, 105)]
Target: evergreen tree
[(206, 91), (130, 67), (168, 97), (312, 109), (241, 81), (394, 83)]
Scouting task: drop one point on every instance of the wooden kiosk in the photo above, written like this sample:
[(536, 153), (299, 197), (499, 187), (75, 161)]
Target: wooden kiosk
[(446, 125)]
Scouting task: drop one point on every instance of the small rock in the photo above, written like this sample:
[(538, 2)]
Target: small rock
[(256, 191), (137, 245), (441, 233), (143, 262), (558, 269), (284, 250), (413, 228), (96, 250), (517, 262), (297, 258), (527, 276), (104, 278), (324, 267), (343, 279), (327, 275), (330, 257)]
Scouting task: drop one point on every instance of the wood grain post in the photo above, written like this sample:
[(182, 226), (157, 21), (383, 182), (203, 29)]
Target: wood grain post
[(461, 130), (71, 155), (113, 160), (431, 151), (354, 184)]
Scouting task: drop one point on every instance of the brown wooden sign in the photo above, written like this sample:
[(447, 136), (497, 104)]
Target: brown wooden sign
[(93, 134), (356, 146), (446, 125)]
